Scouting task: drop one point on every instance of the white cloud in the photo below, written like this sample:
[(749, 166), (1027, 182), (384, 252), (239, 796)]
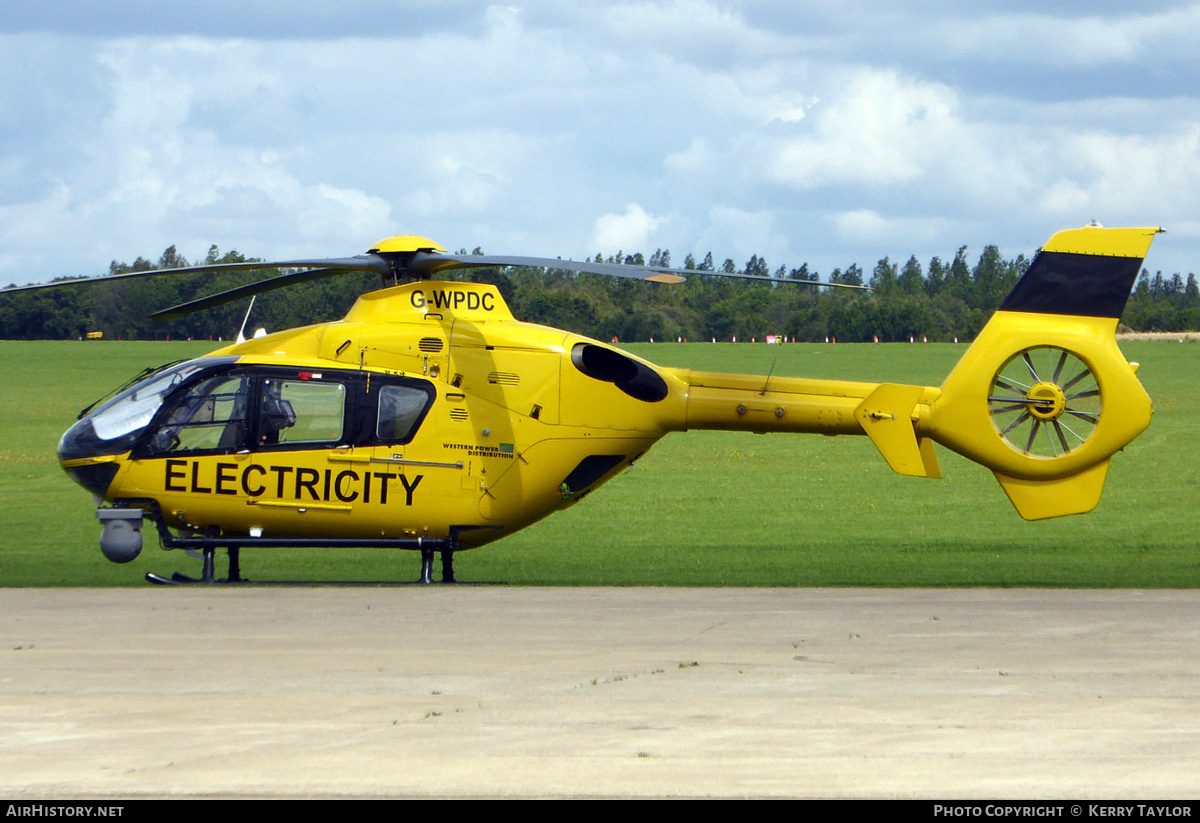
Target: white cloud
[(1065, 40), (868, 229), (624, 232), (880, 129), (698, 158), (1120, 175), (154, 176), (1063, 197), (739, 233), (686, 28)]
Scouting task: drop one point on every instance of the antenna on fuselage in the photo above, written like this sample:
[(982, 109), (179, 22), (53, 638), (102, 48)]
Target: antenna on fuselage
[(767, 382), (241, 335)]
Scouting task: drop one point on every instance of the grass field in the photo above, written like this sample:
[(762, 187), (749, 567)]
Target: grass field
[(702, 508)]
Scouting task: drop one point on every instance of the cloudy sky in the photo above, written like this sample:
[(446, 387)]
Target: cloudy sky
[(826, 132)]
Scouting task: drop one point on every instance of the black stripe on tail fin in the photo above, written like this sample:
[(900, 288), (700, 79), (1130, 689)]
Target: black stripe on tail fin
[(1087, 272), (1071, 283)]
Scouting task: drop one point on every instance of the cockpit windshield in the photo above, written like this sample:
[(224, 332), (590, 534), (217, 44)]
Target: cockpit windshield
[(133, 408), (108, 429)]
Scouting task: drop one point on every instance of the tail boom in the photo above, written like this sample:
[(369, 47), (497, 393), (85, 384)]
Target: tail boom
[(886, 412)]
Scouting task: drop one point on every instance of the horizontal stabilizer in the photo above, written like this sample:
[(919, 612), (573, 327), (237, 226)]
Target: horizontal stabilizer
[(1040, 499), (886, 415)]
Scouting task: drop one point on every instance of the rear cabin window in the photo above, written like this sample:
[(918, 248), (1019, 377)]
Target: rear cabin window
[(400, 409)]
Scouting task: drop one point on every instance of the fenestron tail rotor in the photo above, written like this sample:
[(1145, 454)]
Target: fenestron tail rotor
[(1045, 402)]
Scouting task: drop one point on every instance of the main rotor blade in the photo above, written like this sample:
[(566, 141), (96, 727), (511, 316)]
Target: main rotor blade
[(430, 263), (283, 280), (755, 277), (361, 262), (366, 263)]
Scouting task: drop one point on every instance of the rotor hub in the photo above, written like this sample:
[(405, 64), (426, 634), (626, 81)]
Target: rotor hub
[(404, 243), (1050, 401)]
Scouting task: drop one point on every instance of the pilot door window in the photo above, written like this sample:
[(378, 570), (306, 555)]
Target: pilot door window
[(212, 416), (294, 412)]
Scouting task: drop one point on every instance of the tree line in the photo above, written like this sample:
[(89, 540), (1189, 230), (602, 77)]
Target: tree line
[(939, 301)]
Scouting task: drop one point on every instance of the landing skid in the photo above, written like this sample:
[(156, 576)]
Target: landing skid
[(208, 575), (207, 545)]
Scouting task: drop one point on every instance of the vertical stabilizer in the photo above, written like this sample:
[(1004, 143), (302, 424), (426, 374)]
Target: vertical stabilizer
[(1044, 396)]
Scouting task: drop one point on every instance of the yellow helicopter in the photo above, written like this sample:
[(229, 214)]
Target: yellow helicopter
[(431, 419)]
